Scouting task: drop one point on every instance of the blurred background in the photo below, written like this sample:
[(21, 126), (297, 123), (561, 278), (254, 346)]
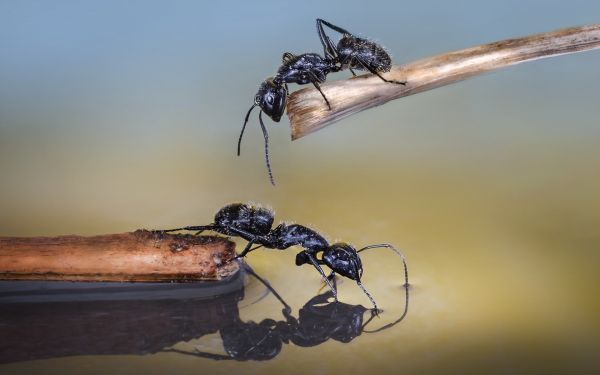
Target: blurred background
[(117, 115)]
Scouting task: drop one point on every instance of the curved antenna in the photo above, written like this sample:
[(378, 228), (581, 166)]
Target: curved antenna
[(401, 318), (244, 128), (406, 284), (373, 71), (375, 308), (266, 135), (386, 245)]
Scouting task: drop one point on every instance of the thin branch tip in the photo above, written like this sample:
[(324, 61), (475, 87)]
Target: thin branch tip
[(307, 112)]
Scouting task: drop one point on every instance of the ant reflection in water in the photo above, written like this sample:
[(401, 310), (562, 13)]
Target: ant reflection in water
[(319, 320), (254, 224)]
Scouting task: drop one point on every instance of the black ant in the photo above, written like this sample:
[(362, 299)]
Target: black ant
[(254, 223), (351, 53)]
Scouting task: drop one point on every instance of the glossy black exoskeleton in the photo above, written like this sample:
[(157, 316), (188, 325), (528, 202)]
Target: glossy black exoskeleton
[(343, 259), (272, 94), (353, 52), (237, 219), (254, 223)]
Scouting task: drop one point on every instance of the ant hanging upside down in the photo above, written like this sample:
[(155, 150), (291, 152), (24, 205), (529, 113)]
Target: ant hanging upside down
[(255, 225), (351, 53)]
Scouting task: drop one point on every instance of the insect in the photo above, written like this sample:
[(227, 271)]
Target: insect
[(272, 94), (350, 53), (353, 52), (255, 225)]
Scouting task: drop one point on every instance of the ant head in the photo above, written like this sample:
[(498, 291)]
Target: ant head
[(343, 259), (272, 98)]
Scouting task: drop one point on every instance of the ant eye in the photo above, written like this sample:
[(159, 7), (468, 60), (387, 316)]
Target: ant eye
[(257, 99)]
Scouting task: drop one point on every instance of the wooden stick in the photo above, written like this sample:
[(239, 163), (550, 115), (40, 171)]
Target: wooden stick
[(139, 256), (308, 113)]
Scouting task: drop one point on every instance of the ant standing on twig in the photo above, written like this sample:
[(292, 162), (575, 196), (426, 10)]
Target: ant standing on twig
[(254, 224), (351, 53)]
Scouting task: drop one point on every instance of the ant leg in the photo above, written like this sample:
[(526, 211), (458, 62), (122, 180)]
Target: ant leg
[(316, 84), (318, 267), (266, 135), (352, 71), (216, 357), (373, 71), (244, 128), (368, 295), (386, 245), (328, 46), (247, 249), (242, 233), (192, 228), (333, 27), (249, 269)]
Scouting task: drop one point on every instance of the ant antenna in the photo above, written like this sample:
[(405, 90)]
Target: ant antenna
[(375, 308), (266, 135), (401, 318), (406, 284), (244, 128)]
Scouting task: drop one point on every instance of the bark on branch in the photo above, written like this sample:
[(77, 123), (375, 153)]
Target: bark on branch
[(137, 256)]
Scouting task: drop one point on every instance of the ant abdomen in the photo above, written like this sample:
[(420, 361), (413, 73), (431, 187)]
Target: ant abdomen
[(244, 218), (363, 54)]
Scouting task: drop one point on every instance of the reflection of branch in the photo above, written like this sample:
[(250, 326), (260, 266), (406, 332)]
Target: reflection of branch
[(308, 112), (137, 256)]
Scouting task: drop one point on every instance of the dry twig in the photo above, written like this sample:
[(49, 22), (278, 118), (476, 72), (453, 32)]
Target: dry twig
[(307, 111), (137, 256)]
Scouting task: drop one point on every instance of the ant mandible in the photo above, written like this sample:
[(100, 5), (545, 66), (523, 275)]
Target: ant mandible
[(255, 225), (351, 53)]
